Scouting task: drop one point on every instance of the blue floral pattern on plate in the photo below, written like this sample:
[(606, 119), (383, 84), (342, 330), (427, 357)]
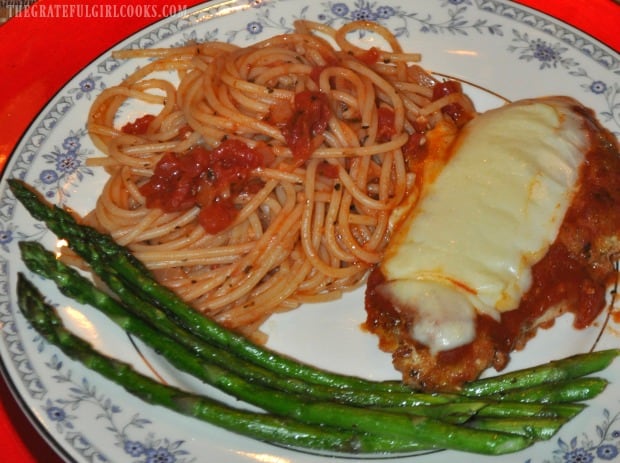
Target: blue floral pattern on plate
[(75, 407), (605, 447), (143, 449)]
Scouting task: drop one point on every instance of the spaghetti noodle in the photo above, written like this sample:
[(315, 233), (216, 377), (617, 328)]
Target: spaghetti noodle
[(266, 175)]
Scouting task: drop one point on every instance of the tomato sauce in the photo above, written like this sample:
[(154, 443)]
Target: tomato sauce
[(139, 126), (386, 129), (454, 110), (210, 179), (328, 170), (370, 56), (309, 120), (415, 151)]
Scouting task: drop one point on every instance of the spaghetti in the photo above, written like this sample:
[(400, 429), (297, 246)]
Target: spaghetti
[(266, 175)]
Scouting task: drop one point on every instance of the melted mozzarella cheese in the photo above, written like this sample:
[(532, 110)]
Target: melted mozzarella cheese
[(469, 243)]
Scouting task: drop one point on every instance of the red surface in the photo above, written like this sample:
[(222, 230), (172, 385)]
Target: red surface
[(35, 66)]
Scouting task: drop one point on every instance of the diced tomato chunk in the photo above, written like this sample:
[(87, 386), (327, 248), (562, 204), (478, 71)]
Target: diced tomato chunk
[(171, 186), (218, 215), (310, 119), (328, 170), (386, 129), (138, 126), (206, 179), (455, 111), (370, 56)]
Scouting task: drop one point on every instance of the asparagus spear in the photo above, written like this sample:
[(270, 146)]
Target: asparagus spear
[(404, 433), (527, 409), (573, 390), (265, 427), (555, 371), (534, 427)]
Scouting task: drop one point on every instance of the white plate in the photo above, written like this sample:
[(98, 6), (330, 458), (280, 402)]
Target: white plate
[(496, 45)]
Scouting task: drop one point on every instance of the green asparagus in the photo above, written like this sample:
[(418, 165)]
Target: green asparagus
[(573, 390), (533, 427), (265, 427), (558, 370), (529, 409), (403, 433)]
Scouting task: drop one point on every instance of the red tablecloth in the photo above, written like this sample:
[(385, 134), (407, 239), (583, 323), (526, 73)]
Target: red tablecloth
[(27, 87)]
